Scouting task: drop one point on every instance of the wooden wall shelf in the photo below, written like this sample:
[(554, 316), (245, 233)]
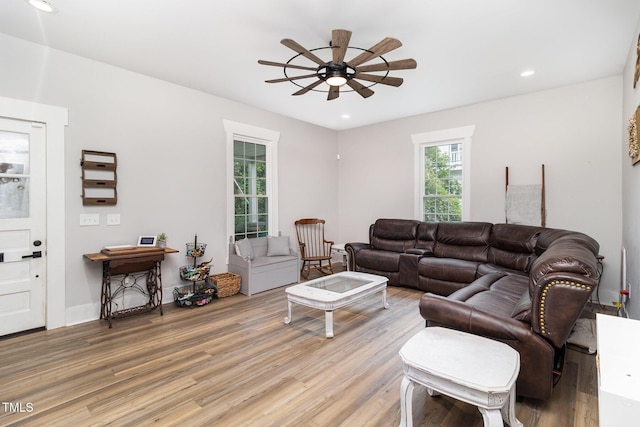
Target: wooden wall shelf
[(99, 178)]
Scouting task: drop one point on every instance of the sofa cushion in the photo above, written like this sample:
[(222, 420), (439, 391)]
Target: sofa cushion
[(378, 260), (522, 310), (277, 245), (513, 246), (495, 293), (394, 235), (244, 249), (488, 268), (426, 236), (463, 240), (449, 269), (262, 261)]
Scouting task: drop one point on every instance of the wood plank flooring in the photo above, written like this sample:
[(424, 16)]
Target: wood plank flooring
[(235, 363)]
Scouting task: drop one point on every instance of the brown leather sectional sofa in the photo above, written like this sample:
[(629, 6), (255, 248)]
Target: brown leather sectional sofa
[(525, 286)]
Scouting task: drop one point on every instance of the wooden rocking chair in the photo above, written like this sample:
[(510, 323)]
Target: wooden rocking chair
[(314, 249)]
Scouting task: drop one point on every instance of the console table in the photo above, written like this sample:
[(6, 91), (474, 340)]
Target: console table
[(136, 263)]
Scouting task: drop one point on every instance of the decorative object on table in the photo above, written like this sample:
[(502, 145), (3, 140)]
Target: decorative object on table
[(199, 293), (147, 242), (162, 240), (227, 283), (633, 145)]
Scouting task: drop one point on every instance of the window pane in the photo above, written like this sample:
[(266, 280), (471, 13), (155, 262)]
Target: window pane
[(261, 152), (14, 165), (240, 221), (250, 188), (239, 168), (241, 205), (443, 182), (261, 169), (261, 187)]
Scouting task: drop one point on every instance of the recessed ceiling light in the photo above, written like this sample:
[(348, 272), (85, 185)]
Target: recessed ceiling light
[(43, 5), (345, 116), (527, 73)]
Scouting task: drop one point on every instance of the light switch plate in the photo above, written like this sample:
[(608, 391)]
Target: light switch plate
[(113, 219), (89, 219)]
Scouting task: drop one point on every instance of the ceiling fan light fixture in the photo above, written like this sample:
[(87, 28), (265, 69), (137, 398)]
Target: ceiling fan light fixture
[(43, 6), (336, 79)]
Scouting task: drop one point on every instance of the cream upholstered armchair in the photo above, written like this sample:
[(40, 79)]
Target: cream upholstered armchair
[(314, 249)]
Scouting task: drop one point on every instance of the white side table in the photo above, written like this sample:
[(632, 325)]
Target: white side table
[(470, 368), (339, 249)]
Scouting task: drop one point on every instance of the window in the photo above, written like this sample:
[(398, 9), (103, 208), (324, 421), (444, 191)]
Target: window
[(442, 197), (251, 202), (252, 154), (442, 174)]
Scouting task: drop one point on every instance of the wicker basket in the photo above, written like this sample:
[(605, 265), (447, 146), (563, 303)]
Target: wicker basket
[(228, 283)]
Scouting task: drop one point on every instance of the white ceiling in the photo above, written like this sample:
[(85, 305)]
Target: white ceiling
[(467, 51)]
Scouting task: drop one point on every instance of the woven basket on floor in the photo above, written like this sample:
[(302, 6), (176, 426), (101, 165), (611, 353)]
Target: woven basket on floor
[(228, 283)]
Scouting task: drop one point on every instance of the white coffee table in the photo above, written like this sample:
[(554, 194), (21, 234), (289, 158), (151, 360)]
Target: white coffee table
[(335, 291)]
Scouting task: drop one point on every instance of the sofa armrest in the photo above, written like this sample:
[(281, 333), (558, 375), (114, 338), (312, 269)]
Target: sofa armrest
[(352, 249), (558, 299), (235, 259), (439, 310)]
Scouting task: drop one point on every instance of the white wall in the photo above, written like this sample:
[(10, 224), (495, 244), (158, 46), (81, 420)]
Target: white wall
[(574, 130), (631, 184), (170, 144)]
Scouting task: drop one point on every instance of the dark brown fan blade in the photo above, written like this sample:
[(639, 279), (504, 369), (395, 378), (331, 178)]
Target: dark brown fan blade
[(334, 92), (280, 64), (386, 45), (298, 48), (385, 80), (308, 88), (288, 79), (403, 64), (339, 44), (364, 91)]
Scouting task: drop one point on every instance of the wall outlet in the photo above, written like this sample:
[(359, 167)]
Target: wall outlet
[(89, 219), (113, 219)]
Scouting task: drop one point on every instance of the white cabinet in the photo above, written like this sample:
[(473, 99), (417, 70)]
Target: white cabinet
[(618, 370)]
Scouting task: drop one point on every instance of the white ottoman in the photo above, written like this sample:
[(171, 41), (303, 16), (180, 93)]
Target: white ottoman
[(470, 368)]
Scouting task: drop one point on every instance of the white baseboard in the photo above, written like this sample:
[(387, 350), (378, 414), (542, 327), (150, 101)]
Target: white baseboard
[(88, 312), (82, 313)]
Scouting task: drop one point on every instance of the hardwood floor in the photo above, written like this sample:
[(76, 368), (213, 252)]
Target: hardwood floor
[(235, 363)]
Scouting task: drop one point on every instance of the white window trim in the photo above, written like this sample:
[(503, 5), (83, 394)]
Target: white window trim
[(269, 138), (440, 137)]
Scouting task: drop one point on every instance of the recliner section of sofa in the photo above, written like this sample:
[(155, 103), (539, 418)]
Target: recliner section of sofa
[(522, 285)]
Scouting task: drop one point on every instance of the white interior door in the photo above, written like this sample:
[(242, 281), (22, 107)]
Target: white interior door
[(22, 225)]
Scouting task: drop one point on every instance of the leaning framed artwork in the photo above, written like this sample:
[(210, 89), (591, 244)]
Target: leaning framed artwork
[(633, 144)]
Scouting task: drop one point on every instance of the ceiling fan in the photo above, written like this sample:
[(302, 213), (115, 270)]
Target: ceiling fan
[(336, 72)]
